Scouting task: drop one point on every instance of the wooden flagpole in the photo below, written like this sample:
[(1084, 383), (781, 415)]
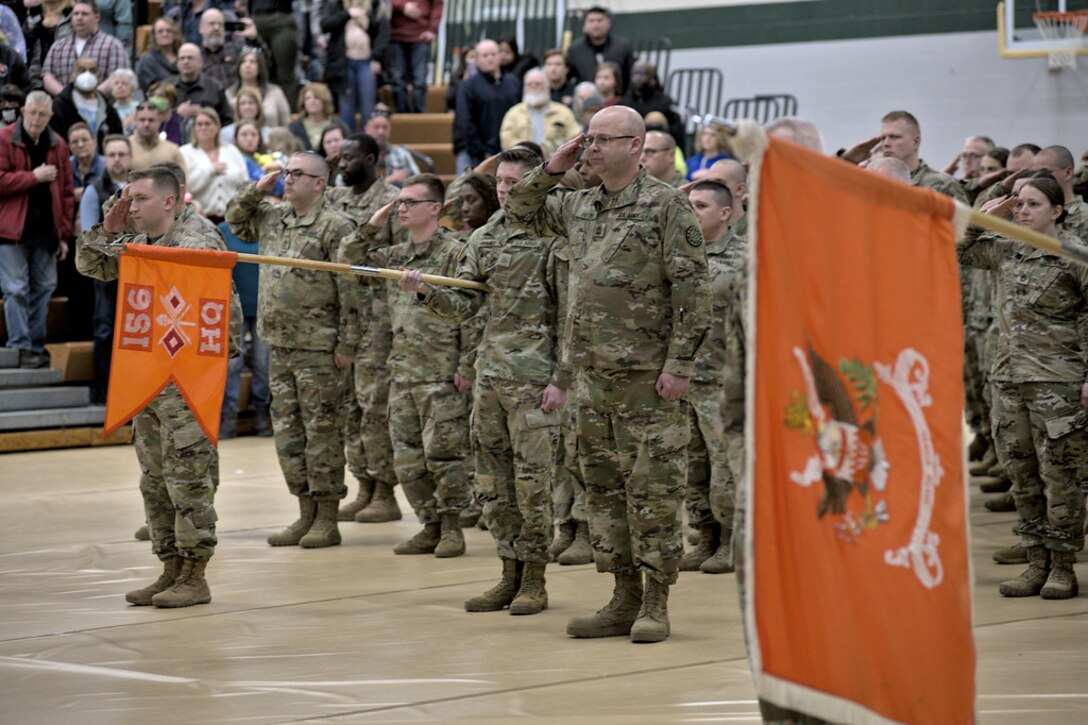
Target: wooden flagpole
[(392, 274), (1030, 237)]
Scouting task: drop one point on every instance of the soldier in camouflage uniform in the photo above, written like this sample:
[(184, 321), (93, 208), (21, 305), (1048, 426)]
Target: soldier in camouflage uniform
[(310, 320), (901, 137), (179, 465), (638, 311), (428, 413), (981, 340), (659, 158), (519, 389), (1040, 421), (369, 448), (1059, 162), (710, 487)]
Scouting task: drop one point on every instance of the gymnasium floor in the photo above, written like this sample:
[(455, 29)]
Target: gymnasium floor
[(356, 634)]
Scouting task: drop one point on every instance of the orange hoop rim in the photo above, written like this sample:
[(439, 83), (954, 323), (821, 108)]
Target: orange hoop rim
[(1069, 17)]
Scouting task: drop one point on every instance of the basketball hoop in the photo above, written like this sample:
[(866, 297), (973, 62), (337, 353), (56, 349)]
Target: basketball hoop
[(1065, 33)]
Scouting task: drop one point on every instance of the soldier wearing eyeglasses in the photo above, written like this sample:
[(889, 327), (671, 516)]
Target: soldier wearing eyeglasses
[(428, 410), (310, 320), (638, 310)]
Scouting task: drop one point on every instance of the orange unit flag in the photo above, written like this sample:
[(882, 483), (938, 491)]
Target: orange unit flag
[(172, 325), (859, 606)]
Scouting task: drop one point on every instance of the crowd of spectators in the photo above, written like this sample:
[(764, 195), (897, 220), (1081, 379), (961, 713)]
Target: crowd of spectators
[(229, 89)]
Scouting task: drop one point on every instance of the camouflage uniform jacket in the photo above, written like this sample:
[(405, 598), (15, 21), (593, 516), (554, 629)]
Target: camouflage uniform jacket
[(426, 347), (189, 231), (639, 285), (1041, 307), (940, 182), (726, 257), (740, 229), (377, 334), (1076, 220), (735, 289), (301, 309), (523, 308), (676, 180)]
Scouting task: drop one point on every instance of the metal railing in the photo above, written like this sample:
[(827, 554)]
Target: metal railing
[(761, 108), (696, 89), (537, 25)]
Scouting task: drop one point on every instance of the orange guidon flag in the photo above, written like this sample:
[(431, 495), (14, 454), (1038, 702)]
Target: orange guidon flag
[(859, 598), (172, 325)]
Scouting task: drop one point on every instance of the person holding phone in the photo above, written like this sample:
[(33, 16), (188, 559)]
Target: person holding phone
[(223, 42)]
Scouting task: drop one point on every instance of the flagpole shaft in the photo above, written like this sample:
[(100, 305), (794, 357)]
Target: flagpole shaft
[(392, 274), (1033, 238)]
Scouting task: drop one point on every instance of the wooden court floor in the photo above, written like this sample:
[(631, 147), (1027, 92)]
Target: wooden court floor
[(356, 634)]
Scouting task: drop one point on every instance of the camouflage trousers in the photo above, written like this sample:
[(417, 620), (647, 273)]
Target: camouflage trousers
[(367, 445), (631, 447), (179, 469), (976, 379), (516, 445), (710, 488), (568, 488), (308, 393), (1041, 431), (429, 427)]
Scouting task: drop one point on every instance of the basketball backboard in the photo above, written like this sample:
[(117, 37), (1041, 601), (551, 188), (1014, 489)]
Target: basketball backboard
[(1017, 34)]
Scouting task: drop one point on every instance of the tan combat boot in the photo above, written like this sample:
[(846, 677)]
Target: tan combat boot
[(652, 624), (383, 506), (422, 543), (325, 530), (362, 500), (532, 597), (616, 617), (985, 464), (980, 446), (452, 541), (143, 533), (1062, 582), (307, 509), (579, 552), (190, 587), (722, 561), (1015, 554), (996, 485), (1000, 504), (171, 567), (709, 538), (499, 596), (562, 542), (1031, 581)]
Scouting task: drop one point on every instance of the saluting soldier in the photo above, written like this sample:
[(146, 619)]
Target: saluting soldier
[(310, 320), (638, 311), (179, 465), (369, 448), (519, 388)]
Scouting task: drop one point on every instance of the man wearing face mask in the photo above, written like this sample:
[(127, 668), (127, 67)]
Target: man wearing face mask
[(85, 42), (537, 118), (81, 100), (11, 103)]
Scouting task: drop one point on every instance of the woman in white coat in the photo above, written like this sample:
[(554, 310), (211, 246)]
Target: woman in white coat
[(217, 171)]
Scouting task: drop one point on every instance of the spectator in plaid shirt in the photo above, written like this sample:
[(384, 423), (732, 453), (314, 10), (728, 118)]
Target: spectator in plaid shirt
[(396, 160), (86, 41)]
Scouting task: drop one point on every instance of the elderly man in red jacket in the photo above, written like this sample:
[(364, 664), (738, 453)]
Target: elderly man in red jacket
[(37, 205)]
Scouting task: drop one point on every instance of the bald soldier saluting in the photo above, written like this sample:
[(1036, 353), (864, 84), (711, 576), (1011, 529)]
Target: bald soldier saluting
[(638, 311)]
